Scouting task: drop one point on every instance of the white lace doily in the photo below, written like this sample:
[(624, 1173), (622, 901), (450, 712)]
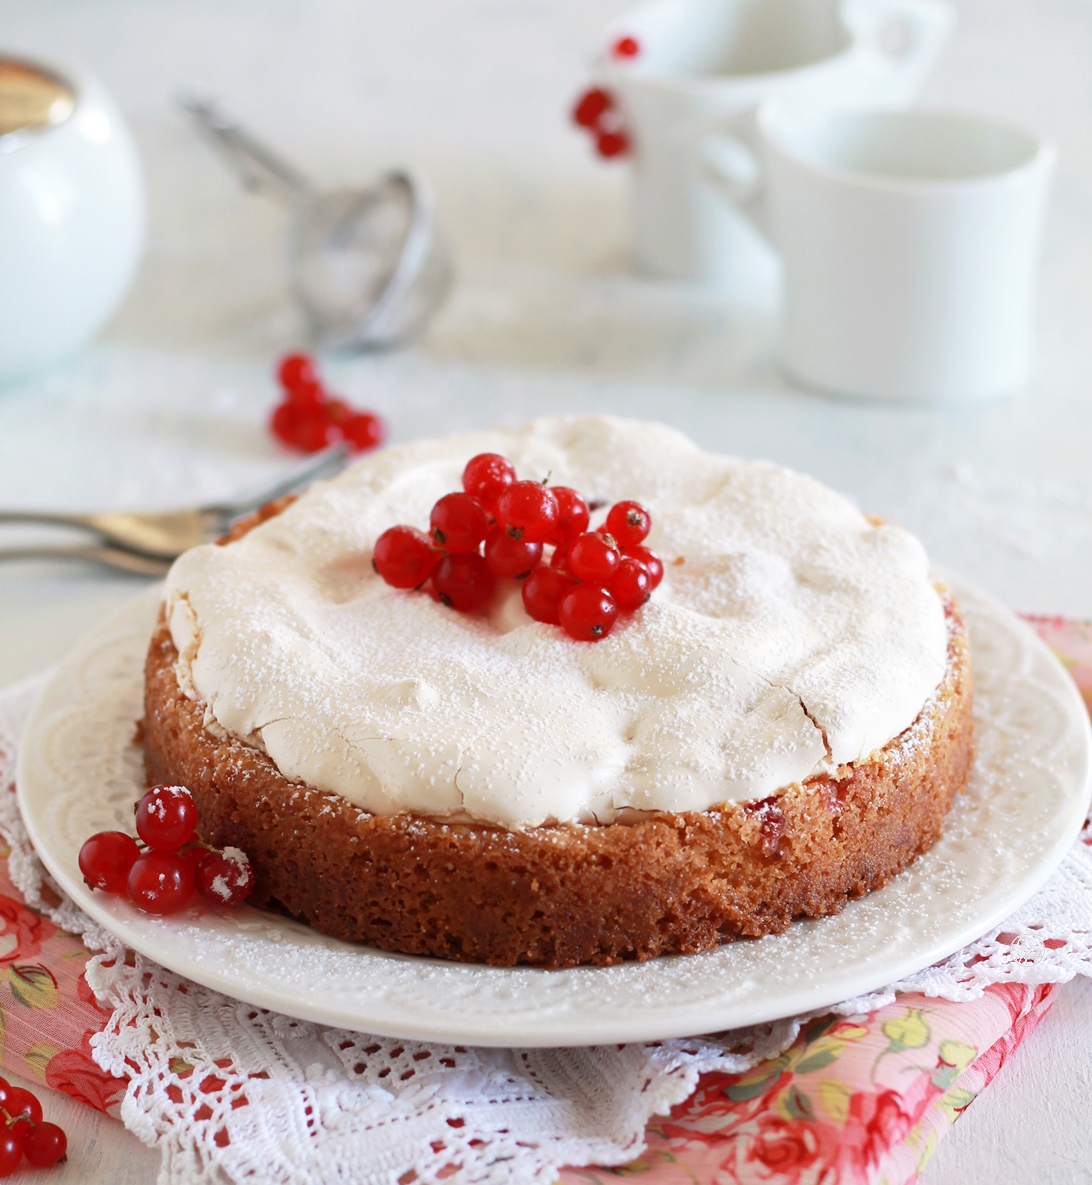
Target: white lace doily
[(326, 1104)]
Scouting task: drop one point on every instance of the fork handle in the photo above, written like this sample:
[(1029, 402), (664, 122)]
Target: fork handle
[(111, 557), (51, 518)]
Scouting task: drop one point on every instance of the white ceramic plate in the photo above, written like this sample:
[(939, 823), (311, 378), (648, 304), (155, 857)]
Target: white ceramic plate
[(79, 773)]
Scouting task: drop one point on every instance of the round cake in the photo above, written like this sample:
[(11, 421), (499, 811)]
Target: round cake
[(783, 725)]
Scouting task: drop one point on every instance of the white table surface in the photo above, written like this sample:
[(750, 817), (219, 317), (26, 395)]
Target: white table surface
[(169, 406)]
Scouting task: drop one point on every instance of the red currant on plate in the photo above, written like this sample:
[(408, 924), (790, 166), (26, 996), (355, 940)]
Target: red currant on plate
[(651, 561), (528, 510), (464, 581), (105, 860), (45, 1144), (160, 883), (542, 593), (631, 585), (510, 557), (224, 878), (404, 557), (572, 514), (593, 557), (592, 105), (486, 477), (458, 522), (166, 817), (629, 523), (297, 370), (587, 612)]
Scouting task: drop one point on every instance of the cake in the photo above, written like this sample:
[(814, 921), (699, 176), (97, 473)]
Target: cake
[(782, 727)]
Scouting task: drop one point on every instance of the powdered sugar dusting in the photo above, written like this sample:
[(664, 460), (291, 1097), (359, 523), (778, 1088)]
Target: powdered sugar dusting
[(795, 634)]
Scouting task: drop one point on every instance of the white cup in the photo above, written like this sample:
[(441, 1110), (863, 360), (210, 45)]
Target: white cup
[(71, 213), (910, 243), (700, 62)]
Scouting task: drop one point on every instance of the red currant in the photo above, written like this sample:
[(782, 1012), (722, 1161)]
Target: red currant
[(192, 855), (160, 883), (593, 557), (626, 47), (542, 593), (166, 817), (404, 557), (307, 397), (315, 432), (297, 370), (283, 423), (105, 860), (18, 1101), (528, 510), (458, 522), (631, 585), (11, 1150), (651, 561), (629, 523), (510, 557), (224, 878), (592, 105), (611, 144), (45, 1144), (464, 581), (486, 477), (560, 558), (572, 514), (363, 430), (587, 612)]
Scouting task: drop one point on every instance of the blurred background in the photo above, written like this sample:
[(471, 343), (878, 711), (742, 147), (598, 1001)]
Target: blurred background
[(169, 406)]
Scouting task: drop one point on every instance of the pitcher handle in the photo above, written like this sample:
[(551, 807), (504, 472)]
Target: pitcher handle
[(903, 38), (729, 159)]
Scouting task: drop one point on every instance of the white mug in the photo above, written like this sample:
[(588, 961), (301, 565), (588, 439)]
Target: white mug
[(679, 68), (910, 242), (71, 213)]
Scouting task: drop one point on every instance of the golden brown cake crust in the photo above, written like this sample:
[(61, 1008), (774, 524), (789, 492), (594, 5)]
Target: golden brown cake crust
[(570, 894)]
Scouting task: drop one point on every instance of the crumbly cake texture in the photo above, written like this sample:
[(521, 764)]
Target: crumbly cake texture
[(569, 894)]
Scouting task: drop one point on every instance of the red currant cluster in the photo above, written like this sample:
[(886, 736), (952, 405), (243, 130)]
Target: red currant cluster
[(24, 1134), (308, 419), (160, 877), (499, 527), (597, 111)]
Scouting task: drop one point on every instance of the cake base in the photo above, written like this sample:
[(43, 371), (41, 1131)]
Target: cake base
[(572, 894)]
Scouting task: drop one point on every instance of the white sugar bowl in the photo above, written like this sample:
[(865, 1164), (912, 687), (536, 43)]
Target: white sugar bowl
[(72, 213)]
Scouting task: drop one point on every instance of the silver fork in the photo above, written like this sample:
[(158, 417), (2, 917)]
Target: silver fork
[(160, 536)]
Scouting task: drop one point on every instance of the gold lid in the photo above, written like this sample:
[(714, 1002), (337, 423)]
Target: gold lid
[(31, 98)]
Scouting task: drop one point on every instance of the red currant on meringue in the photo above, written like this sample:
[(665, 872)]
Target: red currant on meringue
[(464, 581), (486, 477), (593, 557), (629, 523), (528, 510), (587, 612), (458, 522), (404, 557)]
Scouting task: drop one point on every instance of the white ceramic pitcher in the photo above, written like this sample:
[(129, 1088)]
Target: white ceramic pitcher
[(71, 212), (680, 68)]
